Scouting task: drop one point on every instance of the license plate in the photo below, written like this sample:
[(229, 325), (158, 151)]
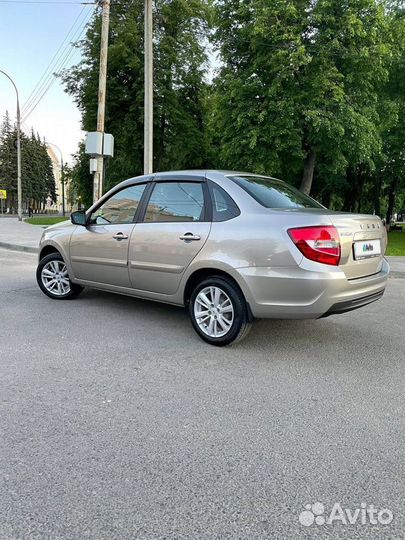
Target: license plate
[(366, 249)]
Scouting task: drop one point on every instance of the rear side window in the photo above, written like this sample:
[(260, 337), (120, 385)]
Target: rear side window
[(176, 201), (223, 206), (272, 193)]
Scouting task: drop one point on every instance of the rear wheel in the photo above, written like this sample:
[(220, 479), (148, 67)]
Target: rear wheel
[(219, 312), (53, 278)]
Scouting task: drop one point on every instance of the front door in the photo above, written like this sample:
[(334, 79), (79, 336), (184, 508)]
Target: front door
[(173, 231), (99, 251)]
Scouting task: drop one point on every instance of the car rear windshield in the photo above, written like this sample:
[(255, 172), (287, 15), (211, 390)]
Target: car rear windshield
[(272, 193)]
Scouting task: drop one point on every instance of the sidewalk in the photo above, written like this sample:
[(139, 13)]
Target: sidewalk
[(19, 236), (397, 266)]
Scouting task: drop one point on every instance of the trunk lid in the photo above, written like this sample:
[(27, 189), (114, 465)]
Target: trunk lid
[(369, 233), (352, 228)]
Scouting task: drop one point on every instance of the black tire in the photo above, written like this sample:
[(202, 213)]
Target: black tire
[(241, 320), (74, 289)]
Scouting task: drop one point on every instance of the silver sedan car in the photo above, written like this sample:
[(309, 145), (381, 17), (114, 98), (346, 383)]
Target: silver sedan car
[(229, 246)]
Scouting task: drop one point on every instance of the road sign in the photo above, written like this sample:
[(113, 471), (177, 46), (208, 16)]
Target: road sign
[(3, 194)]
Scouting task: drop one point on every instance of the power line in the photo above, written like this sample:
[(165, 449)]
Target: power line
[(52, 80), (57, 60), (55, 2), (50, 68), (62, 63)]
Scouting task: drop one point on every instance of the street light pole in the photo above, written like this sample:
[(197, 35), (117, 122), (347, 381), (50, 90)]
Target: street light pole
[(19, 190), (148, 115), (62, 176), (102, 86)]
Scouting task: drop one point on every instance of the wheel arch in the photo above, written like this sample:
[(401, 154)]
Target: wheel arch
[(47, 250), (203, 273), (52, 247)]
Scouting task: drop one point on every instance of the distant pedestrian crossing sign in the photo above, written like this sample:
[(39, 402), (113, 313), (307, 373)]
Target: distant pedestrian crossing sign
[(3, 194)]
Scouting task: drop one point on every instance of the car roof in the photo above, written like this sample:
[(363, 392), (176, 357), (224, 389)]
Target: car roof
[(191, 174)]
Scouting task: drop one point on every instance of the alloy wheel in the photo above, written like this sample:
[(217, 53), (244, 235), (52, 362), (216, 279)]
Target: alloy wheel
[(55, 278), (213, 312)]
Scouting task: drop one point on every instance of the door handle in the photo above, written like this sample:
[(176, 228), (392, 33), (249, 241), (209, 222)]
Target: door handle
[(190, 237), (120, 236)]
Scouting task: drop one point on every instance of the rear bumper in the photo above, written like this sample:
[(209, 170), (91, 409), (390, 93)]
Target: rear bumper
[(301, 293), (350, 305)]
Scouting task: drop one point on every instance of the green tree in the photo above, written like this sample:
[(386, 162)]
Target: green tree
[(297, 95), (81, 181), (180, 89), (37, 179), (391, 171), (8, 161)]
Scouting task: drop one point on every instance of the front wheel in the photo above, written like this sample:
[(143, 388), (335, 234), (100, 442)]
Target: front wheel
[(219, 312), (53, 278)]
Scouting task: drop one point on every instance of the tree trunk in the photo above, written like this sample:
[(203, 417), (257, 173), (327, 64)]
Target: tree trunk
[(161, 144), (391, 201), (377, 192), (326, 198), (308, 175), (348, 204), (359, 191)]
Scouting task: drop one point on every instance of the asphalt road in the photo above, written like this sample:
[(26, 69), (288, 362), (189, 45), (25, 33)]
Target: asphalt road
[(118, 423)]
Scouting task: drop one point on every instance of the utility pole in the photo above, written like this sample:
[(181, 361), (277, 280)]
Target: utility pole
[(102, 83), (19, 190), (148, 117), (62, 179)]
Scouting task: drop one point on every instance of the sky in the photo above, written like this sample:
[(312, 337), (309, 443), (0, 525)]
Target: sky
[(35, 37), (30, 36)]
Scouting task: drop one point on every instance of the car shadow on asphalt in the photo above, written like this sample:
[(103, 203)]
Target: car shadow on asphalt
[(275, 333)]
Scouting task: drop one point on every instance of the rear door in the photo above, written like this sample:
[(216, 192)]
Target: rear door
[(175, 226)]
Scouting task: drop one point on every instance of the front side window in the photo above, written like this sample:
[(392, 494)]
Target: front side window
[(272, 193), (120, 207), (176, 201)]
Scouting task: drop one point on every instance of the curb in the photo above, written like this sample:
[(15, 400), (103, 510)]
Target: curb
[(16, 247)]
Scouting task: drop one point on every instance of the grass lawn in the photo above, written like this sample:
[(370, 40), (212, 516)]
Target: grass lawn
[(396, 243), (44, 220)]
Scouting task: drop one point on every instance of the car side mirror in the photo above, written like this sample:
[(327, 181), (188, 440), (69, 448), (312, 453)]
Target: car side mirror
[(78, 218)]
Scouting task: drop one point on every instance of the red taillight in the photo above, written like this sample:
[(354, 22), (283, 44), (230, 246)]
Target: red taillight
[(320, 244)]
